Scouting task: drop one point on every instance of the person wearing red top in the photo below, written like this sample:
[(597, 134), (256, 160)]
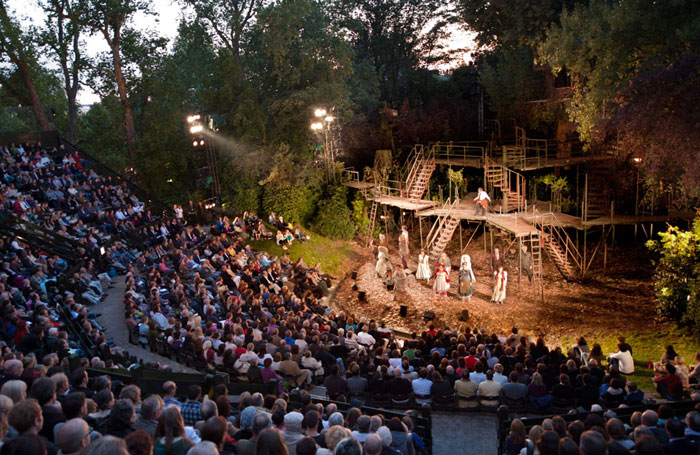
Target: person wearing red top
[(471, 360), (669, 385)]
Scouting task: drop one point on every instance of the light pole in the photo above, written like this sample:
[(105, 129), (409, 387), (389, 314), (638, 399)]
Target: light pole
[(326, 124), (199, 129)]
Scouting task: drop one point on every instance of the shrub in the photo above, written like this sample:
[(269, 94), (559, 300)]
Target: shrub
[(334, 218), (677, 275)]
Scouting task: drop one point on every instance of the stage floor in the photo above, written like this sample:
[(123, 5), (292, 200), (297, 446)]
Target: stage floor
[(568, 309)]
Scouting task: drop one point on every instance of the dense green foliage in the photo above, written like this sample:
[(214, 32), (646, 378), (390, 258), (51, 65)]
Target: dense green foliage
[(334, 218), (677, 276)]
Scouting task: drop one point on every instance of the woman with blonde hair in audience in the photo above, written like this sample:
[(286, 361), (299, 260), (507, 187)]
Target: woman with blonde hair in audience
[(532, 438), (16, 390), (5, 406)]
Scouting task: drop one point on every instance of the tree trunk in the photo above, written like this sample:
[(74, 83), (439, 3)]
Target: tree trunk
[(72, 120), (33, 95), (129, 128)]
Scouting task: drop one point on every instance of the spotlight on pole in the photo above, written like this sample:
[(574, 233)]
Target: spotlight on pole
[(317, 126), (201, 142), (193, 118), (194, 129), (329, 119), (194, 143), (320, 112)]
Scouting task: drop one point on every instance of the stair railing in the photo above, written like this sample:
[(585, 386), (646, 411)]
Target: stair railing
[(510, 179), (440, 222), (550, 224), (413, 161)]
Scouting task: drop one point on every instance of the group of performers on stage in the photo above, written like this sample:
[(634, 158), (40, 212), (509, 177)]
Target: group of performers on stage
[(395, 277)]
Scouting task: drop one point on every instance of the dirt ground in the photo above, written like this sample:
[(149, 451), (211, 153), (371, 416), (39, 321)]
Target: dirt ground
[(618, 302)]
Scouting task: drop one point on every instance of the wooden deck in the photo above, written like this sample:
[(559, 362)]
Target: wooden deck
[(511, 222), (404, 203), (361, 185), (463, 162), (529, 164)]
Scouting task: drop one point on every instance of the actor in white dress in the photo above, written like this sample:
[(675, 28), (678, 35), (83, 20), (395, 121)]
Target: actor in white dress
[(499, 288), (442, 281), (423, 271), (383, 264)]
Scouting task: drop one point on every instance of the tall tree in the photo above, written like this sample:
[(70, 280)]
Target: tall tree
[(62, 36), (397, 36), (18, 49), (298, 60), (606, 44), (110, 19), (226, 20)]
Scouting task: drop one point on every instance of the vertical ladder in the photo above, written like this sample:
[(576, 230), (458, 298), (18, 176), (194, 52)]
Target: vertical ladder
[(372, 221), (535, 245)]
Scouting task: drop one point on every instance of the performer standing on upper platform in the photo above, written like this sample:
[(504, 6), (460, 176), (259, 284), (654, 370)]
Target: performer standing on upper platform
[(403, 247), (482, 200), (423, 269)]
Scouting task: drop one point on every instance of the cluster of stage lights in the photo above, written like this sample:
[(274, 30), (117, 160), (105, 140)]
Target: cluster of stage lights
[(321, 114), (195, 143), (196, 126)]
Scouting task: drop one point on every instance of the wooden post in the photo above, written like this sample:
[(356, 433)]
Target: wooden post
[(585, 262), (612, 222), (460, 235), (520, 259), (420, 230), (485, 249), (605, 251)]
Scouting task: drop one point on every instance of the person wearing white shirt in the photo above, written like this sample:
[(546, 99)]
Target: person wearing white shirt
[(624, 360), (482, 199), (498, 374), (365, 339)]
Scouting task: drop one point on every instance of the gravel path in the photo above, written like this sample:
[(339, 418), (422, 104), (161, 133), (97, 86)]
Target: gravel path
[(112, 319)]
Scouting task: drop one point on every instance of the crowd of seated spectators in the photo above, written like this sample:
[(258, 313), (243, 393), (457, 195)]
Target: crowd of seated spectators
[(59, 191), (652, 432)]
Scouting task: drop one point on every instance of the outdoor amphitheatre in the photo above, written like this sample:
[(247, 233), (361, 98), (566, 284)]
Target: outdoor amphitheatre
[(339, 227)]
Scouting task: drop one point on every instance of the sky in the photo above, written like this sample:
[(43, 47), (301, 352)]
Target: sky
[(167, 16)]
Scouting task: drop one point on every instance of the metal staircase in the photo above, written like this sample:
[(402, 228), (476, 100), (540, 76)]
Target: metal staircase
[(422, 166), (559, 246), (511, 184), (597, 196), (441, 232)]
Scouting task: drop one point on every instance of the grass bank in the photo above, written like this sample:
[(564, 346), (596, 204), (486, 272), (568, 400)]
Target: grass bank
[(334, 255), (648, 346)]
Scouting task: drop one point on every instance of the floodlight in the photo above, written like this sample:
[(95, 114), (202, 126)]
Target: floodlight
[(330, 118), (317, 126), (193, 118), (196, 129), (637, 160), (320, 112), (201, 142), (194, 143)]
